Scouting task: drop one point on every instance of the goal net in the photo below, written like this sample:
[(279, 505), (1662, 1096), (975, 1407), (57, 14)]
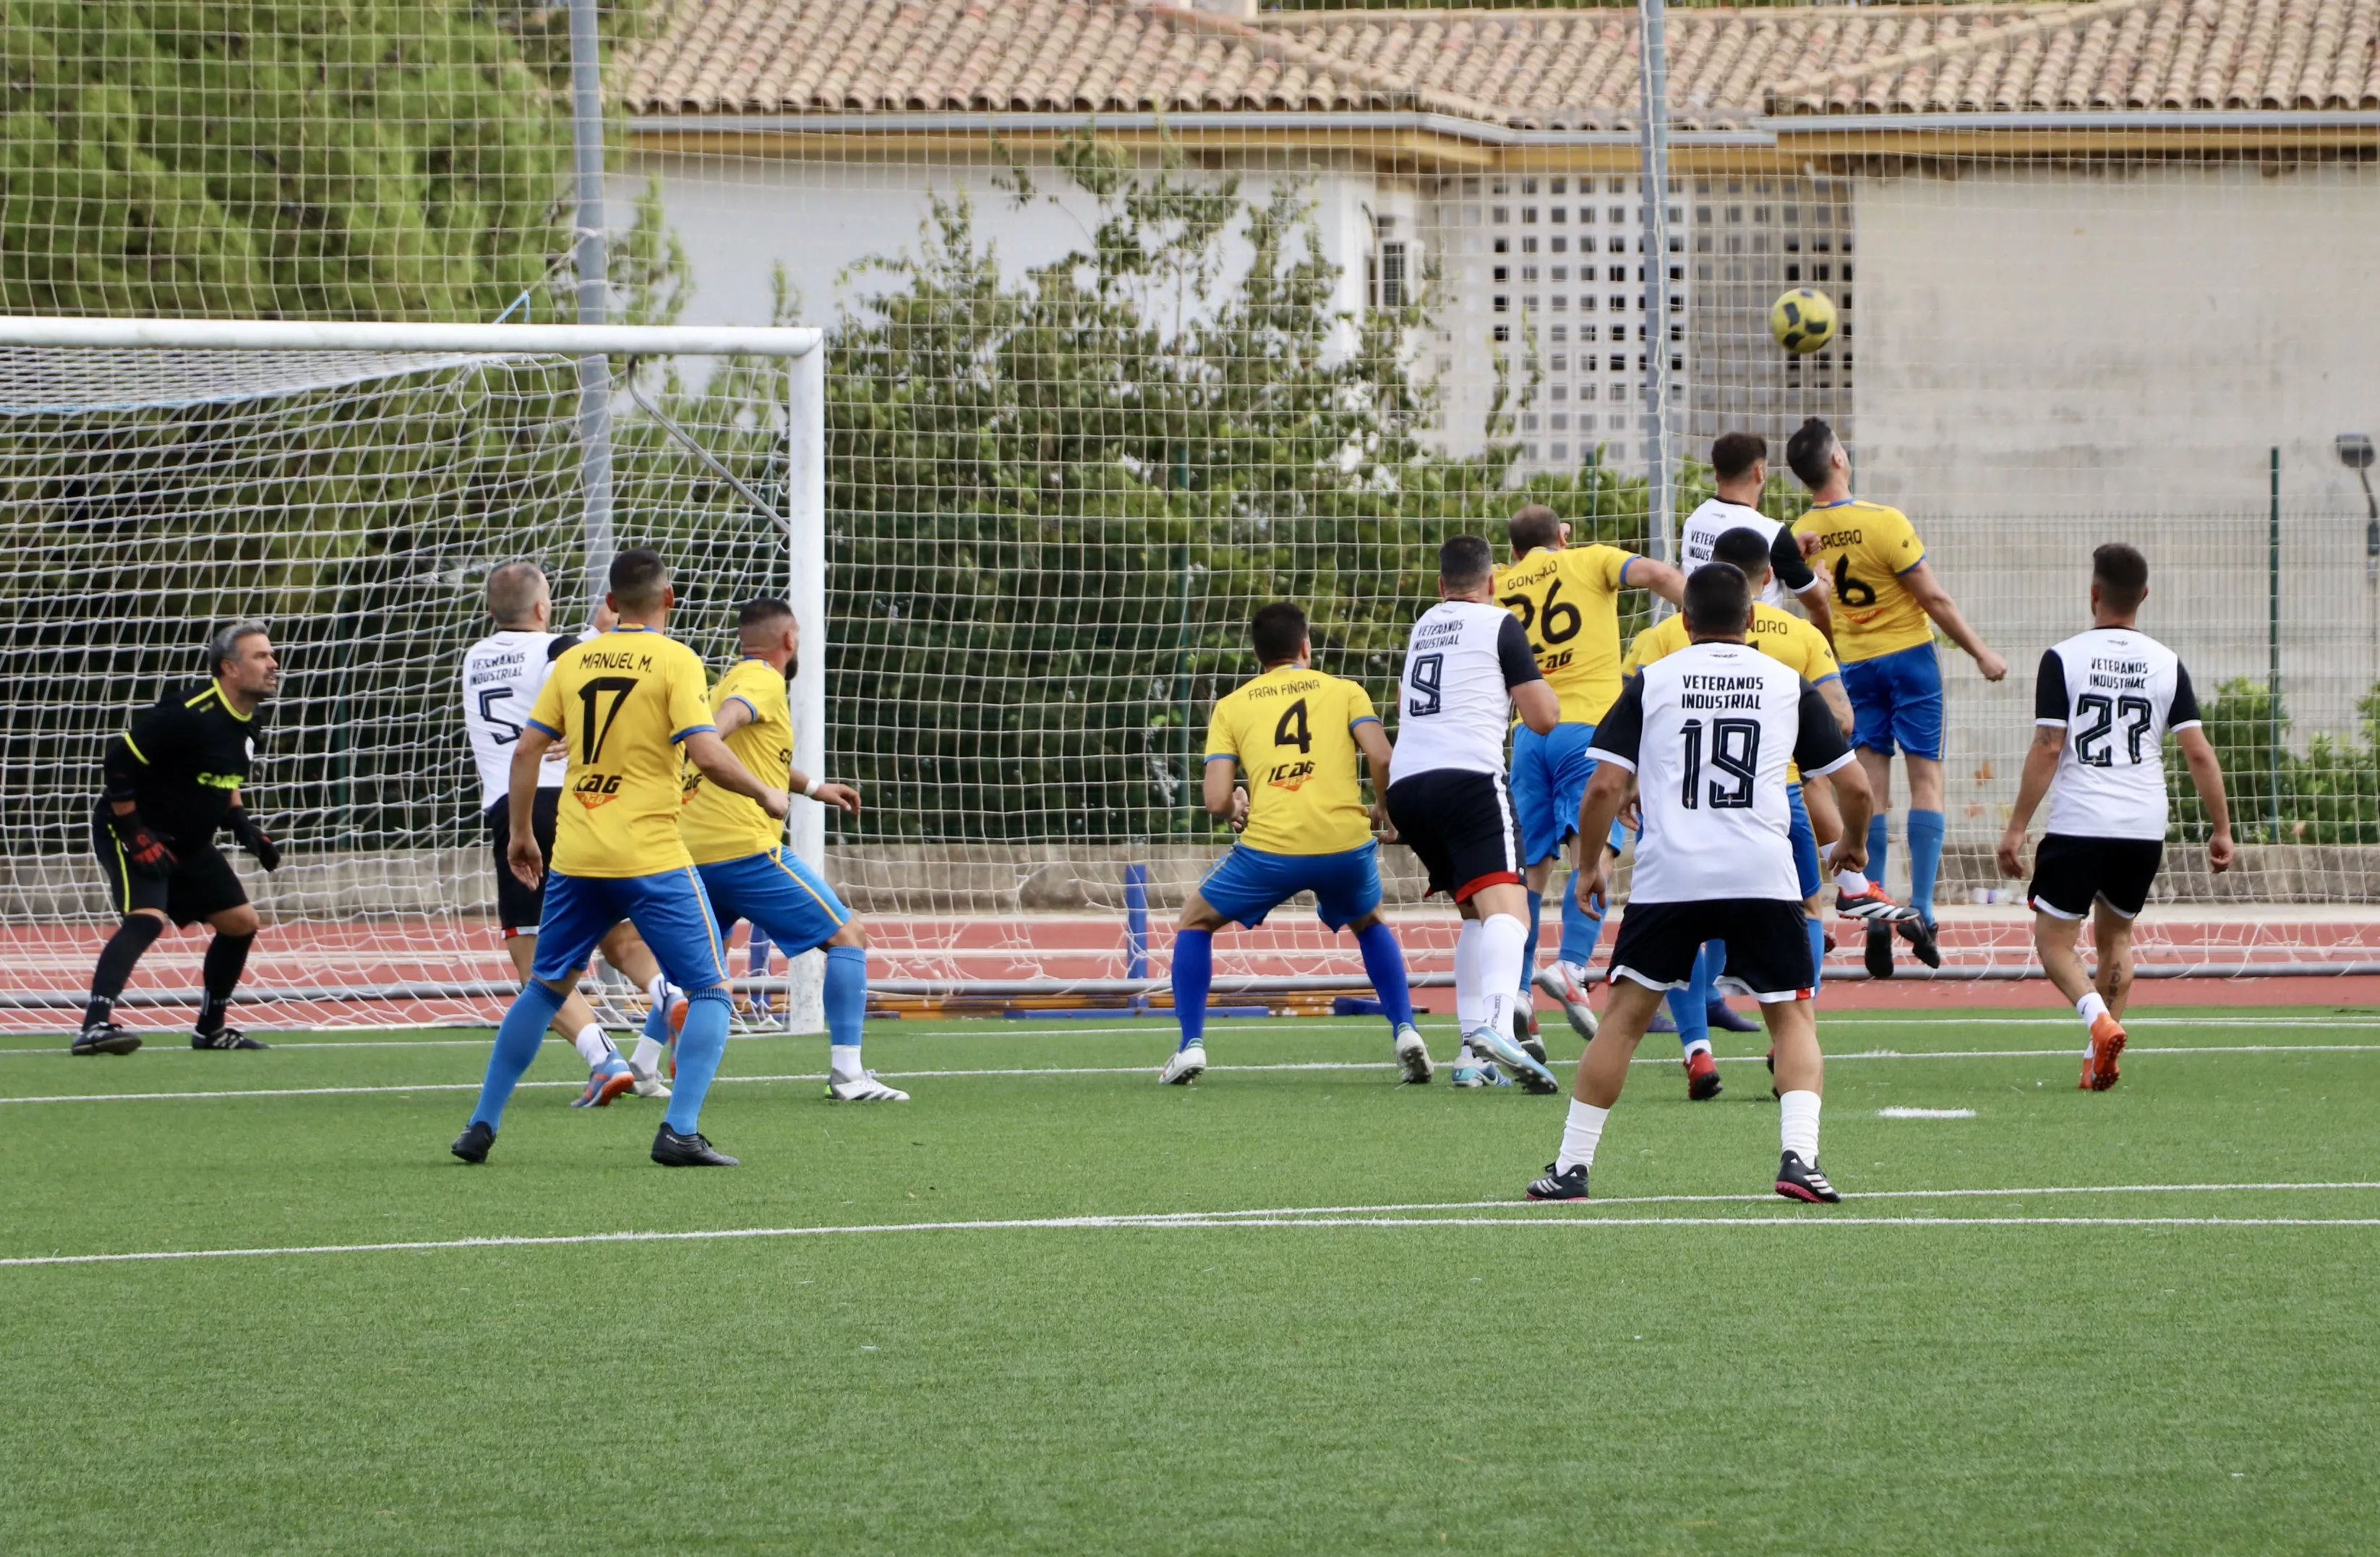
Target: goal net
[(353, 497)]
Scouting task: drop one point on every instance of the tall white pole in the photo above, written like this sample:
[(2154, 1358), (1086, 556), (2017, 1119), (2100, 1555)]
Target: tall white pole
[(594, 280), (1654, 79), (805, 590)]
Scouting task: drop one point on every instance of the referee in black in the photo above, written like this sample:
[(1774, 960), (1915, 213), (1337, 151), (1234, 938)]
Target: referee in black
[(172, 778)]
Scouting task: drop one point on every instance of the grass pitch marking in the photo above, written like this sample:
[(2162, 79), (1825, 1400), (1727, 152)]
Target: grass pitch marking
[(1519, 1214), (1925, 1113)]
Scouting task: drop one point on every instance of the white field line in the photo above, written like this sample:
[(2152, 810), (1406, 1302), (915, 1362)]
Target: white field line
[(1358, 1066), (1519, 1214), (1925, 1113)]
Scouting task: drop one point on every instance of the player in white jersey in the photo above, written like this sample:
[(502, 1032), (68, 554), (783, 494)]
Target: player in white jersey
[(501, 676), (1739, 470), (1708, 733), (1469, 670), (2103, 704)]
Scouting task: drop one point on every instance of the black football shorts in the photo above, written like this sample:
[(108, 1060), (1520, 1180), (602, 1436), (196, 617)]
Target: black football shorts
[(201, 885), (520, 908)]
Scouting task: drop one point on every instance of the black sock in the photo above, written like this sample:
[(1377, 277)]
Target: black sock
[(132, 937), (227, 955)]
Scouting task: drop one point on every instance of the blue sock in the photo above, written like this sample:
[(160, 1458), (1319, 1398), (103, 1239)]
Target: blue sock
[(1194, 969), (1384, 964), (1817, 928), (517, 1045), (699, 1049), (1581, 929), (1690, 1007), (1925, 829), (1877, 835), (846, 994), (1529, 946)]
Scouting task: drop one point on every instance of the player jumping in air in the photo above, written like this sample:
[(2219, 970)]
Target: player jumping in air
[(1468, 669), (621, 704), (1884, 596), (2103, 704), (1567, 600), (1708, 733), (1798, 646), (1740, 474), (172, 777), (739, 847), (1295, 734), (501, 675)]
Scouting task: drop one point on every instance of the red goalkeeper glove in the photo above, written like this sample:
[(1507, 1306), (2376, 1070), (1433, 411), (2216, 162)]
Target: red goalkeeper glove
[(252, 838), (143, 850)]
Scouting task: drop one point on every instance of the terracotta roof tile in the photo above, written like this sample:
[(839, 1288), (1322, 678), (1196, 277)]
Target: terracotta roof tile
[(1551, 69)]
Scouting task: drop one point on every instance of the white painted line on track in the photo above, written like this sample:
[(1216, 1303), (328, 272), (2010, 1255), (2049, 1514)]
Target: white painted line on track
[(1357, 1065), (1519, 1214), (1925, 1113)]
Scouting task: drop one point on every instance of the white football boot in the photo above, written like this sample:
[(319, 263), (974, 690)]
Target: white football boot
[(866, 1090), (1185, 1066), (1568, 984), (1412, 1055)]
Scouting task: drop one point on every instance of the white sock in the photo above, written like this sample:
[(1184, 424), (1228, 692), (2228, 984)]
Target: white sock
[(648, 1056), (843, 1058), (1797, 1125), (2090, 1008), (1502, 938), (1851, 881), (594, 1045), (1699, 1046), (657, 992), (1826, 852), (1470, 990), (1580, 1132)]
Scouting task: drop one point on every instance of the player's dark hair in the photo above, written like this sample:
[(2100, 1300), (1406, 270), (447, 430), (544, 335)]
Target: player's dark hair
[(1735, 453), (1532, 527), (1277, 630), (1464, 561), (2122, 575), (1719, 600), (224, 646), (1811, 452), (754, 613), (1743, 549), (513, 590), (639, 577)]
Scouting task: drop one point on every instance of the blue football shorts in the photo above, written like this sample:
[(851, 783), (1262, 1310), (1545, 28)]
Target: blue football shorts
[(1806, 841), (1897, 700), (785, 900), (668, 910), (1550, 775), (1246, 885)]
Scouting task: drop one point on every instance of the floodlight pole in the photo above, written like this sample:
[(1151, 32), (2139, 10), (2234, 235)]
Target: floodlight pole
[(1654, 79), (594, 281)]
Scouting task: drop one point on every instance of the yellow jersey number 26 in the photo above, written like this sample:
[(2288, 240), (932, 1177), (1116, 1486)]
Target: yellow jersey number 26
[(1554, 620)]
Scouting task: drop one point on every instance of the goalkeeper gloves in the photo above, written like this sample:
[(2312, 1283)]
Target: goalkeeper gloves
[(252, 838), (143, 850)]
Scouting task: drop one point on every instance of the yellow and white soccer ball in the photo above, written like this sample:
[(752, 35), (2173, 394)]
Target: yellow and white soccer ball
[(1802, 321)]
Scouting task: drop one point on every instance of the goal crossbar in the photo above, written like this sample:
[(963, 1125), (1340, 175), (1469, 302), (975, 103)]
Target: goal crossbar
[(282, 334)]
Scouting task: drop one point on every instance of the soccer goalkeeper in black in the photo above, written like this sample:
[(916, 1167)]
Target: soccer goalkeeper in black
[(172, 778)]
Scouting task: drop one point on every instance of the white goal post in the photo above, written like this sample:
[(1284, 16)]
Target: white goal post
[(350, 483)]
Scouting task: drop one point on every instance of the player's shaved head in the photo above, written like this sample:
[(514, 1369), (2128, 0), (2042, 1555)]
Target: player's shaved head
[(758, 622), (640, 577), (1734, 455), (1532, 527), (1464, 562), (1278, 632), (514, 590), (2122, 575), (1718, 601), (1811, 452), (1742, 549)]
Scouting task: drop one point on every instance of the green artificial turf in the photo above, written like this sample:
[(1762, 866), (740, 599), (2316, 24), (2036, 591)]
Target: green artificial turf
[(1722, 1372)]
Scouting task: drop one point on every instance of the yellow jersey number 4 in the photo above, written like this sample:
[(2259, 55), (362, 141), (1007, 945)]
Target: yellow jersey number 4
[(1293, 730), (1553, 619)]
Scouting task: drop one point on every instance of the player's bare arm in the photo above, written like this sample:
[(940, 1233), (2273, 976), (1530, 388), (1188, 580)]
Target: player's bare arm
[(1538, 705), (1373, 742), (1855, 797), (1221, 792), (2040, 767), (1644, 573), (2206, 774), (1817, 601), (522, 857), (716, 763), (1927, 592), (1839, 704), (1598, 808)]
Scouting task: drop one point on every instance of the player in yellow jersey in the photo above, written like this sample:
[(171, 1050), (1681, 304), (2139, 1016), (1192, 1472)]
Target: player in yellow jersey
[(1568, 600), (739, 848), (1886, 604), (1296, 736), (621, 704), (1793, 642)]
